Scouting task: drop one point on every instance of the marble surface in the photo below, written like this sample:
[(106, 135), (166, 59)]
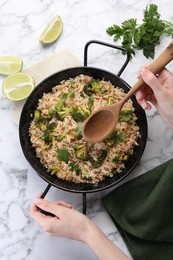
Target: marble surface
[(21, 23)]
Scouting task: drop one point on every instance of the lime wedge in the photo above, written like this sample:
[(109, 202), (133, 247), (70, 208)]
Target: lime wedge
[(10, 65), (52, 31), (18, 86)]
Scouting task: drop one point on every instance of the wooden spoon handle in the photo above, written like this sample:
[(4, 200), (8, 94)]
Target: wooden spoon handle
[(156, 66)]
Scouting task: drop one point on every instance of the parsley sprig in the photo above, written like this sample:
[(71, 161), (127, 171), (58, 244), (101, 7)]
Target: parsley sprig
[(145, 36)]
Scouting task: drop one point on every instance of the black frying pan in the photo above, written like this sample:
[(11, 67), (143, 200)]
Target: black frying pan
[(46, 86)]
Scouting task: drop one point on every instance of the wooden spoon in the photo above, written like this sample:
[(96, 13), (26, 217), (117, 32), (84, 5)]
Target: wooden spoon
[(101, 123)]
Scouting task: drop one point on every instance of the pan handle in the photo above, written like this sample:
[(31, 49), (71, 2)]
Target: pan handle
[(51, 214), (84, 203), (108, 45), (42, 197)]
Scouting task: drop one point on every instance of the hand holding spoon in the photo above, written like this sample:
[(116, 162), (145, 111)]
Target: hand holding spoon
[(101, 123)]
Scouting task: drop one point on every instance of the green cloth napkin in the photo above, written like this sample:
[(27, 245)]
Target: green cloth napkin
[(142, 210)]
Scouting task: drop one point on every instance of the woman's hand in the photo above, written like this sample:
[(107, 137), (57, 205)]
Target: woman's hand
[(72, 224), (159, 92), (67, 222)]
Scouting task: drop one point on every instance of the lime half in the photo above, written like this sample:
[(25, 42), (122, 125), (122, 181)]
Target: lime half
[(52, 31), (10, 65), (18, 86)]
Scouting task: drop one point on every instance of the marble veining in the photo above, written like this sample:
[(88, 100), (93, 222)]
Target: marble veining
[(21, 23)]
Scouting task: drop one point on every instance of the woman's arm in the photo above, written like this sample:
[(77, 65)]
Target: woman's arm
[(103, 248), (72, 224)]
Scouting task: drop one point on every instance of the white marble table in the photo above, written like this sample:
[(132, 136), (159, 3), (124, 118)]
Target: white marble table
[(21, 23)]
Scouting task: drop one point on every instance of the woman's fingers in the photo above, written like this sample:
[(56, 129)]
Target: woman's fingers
[(141, 100), (36, 215), (63, 203), (143, 67), (47, 223), (46, 205), (52, 207), (150, 79)]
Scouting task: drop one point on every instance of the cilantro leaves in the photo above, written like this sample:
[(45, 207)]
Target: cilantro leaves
[(145, 36)]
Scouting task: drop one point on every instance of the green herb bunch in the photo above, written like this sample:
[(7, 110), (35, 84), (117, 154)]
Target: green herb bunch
[(145, 36)]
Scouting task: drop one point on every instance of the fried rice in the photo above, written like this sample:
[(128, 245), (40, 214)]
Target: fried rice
[(55, 131)]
